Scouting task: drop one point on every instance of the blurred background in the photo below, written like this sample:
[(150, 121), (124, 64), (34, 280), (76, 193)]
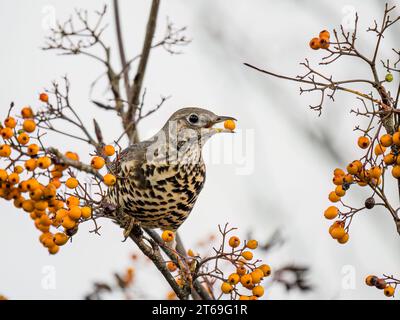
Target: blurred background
[(274, 174)]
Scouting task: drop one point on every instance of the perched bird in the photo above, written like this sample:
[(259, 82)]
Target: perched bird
[(159, 180)]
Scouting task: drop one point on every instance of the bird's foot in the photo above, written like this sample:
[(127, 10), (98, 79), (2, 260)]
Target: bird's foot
[(130, 225)]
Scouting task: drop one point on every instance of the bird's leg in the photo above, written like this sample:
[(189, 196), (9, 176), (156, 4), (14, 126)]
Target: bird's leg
[(130, 224)]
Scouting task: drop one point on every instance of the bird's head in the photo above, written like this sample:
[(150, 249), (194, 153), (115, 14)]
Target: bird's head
[(198, 121)]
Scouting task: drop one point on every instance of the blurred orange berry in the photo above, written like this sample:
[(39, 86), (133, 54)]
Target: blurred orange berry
[(389, 159), (33, 149), (226, 287), (86, 212), (60, 238), (75, 213), (5, 150), (68, 223), (266, 269), (44, 162), (7, 133), (168, 236), (10, 122), (396, 171), (72, 201), (386, 140), (245, 280), (97, 162), (331, 212), (258, 291), (247, 255), (324, 34), (340, 192), (396, 138), (389, 291), (30, 164), (23, 138), (233, 278), (72, 155), (44, 97), (29, 125), (344, 239), (171, 266), (337, 232), (54, 249), (109, 150), (18, 169), (28, 205), (109, 179), (234, 241), (333, 197), (13, 178), (252, 244), (314, 44), (241, 270), (72, 183), (379, 149), (27, 112), (363, 142)]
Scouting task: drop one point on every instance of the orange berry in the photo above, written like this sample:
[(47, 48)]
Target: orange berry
[(331, 212), (168, 236), (41, 205), (389, 291), (27, 112), (72, 183), (389, 159), (97, 162), (60, 238), (229, 125), (337, 232), (386, 140), (33, 149), (256, 276), (266, 269), (338, 172), (252, 244), (247, 255), (314, 44), (234, 241), (68, 223), (28, 205), (337, 180), (258, 291), (72, 201), (171, 266), (324, 34), (109, 179), (344, 239), (109, 150), (5, 150), (10, 122), (379, 149), (371, 280), (363, 142), (348, 178), (323, 43), (23, 138), (245, 280), (396, 138), (396, 171), (32, 184), (54, 249), (244, 298), (86, 212), (18, 169), (44, 162), (233, 278), (44, 97), (60, 215), (375, 172), (29, 125), (30, 164), (7, 133), (340, 192), (3, 175), (75, 213), (354, 167), (241, 270), (333, 197), (13, 178), (72, 155), (56, 182), (226, 287)]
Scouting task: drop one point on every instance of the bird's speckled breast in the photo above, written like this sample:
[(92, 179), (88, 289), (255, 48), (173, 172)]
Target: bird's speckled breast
[(159, 195)]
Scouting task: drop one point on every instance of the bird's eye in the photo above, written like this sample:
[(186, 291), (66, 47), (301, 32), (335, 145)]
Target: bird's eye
[(193, 118)]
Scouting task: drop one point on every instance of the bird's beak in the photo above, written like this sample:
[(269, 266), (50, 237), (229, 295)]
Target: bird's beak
[(220, 119)]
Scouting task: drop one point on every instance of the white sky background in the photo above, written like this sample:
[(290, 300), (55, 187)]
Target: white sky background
[(292, 170)]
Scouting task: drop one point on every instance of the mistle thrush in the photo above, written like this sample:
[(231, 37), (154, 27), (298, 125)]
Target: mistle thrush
[(159, 180)]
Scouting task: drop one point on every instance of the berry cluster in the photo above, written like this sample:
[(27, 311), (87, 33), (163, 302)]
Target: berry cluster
[(322, 42), (43, 184), (387, 284)]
